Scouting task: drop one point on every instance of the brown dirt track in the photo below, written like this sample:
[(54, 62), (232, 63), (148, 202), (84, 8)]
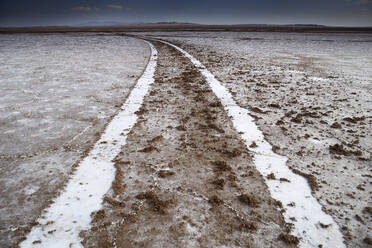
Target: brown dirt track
[(184, 177)]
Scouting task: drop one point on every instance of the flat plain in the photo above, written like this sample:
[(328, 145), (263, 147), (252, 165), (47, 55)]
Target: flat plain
[(187, 176)]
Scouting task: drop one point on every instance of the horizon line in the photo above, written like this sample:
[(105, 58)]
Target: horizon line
[(84, 24)]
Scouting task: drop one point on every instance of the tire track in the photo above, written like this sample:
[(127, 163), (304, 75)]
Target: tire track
[(185, 178), (310, 223)]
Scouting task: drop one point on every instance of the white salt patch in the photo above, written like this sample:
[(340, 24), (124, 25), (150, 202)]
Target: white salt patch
[(30, 190), (307, 211), (319, 79), (316, 141), (76, 136), (71, 211)]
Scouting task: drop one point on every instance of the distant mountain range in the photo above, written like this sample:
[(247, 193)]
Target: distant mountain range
[(114, 26), (104, 23), (309, 25), (113, 23), (266, 25)]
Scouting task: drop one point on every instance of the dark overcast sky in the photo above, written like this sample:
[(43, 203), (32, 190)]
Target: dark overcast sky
[(71, 12)]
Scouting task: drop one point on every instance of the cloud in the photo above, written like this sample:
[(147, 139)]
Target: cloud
[(362, 2), (118, 7), (365, 1), (114, 6), (81, 8)]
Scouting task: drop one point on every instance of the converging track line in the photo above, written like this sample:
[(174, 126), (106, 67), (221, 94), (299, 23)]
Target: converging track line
[(70, 213), (305, 213)]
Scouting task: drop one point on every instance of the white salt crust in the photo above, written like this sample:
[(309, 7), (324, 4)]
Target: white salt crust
[(71, 211)]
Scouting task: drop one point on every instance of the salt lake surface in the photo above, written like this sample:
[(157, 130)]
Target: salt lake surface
[(56, 94), (309, 93)]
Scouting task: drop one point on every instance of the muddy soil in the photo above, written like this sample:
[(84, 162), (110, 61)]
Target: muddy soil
[(184, 178)]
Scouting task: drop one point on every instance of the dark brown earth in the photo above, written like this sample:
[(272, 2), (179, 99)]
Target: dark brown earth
[(184, 178)]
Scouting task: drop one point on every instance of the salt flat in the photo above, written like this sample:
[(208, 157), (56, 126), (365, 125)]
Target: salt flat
[(57, 94), (193, 172)]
